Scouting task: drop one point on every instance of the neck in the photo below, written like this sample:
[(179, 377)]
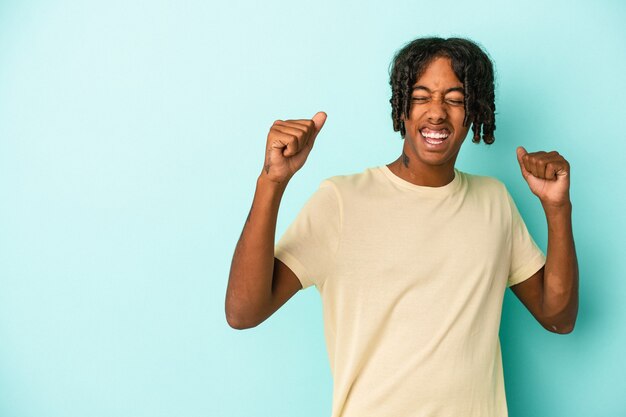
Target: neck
[(431, 176)]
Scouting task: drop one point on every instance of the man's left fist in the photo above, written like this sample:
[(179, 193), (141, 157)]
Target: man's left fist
[(547, 175)]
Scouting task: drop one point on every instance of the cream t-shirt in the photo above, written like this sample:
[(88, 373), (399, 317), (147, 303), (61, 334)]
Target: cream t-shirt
[(412, 280)]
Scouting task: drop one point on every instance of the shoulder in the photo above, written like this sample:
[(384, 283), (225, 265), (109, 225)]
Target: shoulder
[(484, 184), (347, 183)]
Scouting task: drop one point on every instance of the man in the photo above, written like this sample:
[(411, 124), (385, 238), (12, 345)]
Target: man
[(412, 258)]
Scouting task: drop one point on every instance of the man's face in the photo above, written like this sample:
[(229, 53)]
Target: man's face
[(434, 130)]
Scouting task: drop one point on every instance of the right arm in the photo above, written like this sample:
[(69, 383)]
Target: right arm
[(258, 283)]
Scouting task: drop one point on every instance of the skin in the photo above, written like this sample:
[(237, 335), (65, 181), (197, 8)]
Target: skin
[(260, 284), (436, 103), (551, 294)]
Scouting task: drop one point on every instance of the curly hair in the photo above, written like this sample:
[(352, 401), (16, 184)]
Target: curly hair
[(470, 64)]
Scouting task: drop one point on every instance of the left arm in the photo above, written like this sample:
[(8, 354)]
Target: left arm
[(551, 294)]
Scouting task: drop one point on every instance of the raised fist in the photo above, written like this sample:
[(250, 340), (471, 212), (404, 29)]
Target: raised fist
[(547, 175), (289, 143)]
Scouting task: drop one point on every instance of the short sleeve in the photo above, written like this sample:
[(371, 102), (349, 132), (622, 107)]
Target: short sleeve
[(309, 244), (526, 257)]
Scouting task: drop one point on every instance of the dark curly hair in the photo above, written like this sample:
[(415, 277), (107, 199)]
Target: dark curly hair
[(470, 64)]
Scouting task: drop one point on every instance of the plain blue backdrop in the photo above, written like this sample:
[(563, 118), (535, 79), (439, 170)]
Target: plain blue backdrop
[(131, 136)]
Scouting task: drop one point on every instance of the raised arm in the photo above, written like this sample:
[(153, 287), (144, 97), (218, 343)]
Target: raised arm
[(551, 294), (258, 283)]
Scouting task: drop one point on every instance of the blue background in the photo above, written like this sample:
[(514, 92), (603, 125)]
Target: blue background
[(131, 136)]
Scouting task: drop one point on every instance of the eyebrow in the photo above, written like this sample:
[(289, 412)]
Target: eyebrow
[(421, 87)]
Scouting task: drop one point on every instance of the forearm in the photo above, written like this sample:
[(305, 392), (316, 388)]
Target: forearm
[(250, 279), (560, 286)]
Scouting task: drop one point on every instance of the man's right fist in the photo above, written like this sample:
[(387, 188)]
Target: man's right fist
[(289, 143)]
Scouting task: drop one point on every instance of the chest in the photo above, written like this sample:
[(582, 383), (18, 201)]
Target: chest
[(468, 224)]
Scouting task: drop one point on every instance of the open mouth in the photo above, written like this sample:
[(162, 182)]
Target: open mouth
[(434, 137)]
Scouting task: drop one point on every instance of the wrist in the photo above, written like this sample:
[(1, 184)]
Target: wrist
[(557, 208), (263, 181)]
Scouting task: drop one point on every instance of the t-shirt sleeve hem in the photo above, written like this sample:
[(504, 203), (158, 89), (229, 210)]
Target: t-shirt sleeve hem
[(296, 267), (528, 270)]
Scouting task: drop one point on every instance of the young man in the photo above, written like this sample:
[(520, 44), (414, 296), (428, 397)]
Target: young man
[(412, 258)]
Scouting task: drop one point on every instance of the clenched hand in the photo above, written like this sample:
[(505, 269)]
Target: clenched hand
[(289, 143), (547, 175)]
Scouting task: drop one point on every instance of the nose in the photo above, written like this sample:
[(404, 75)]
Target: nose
[(436, 112)]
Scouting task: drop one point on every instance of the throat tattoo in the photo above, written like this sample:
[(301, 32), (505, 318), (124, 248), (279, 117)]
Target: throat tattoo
[(405, 159)]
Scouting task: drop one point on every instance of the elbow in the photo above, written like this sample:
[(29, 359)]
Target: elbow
[(236, 322), (561, 328), (242, 312), (565, 329), (239, 321), (563, 321)]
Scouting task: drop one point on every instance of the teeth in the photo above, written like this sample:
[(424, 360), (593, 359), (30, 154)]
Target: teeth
[(433, 135), (433, 142)]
